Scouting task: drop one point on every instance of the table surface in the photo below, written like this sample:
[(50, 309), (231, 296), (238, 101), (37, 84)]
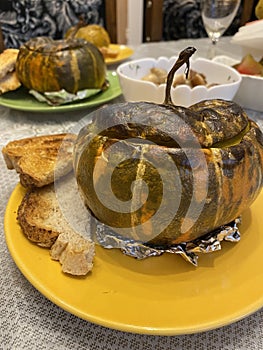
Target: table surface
[(29, 320)]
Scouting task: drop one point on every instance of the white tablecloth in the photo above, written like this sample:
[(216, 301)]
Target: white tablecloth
[(30, 321)]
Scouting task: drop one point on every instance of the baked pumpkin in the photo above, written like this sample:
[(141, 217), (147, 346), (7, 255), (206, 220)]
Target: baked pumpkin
[(93, 33), (46, 65), (166, 174)]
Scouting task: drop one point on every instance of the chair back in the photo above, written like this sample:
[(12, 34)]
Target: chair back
[(2, 45)]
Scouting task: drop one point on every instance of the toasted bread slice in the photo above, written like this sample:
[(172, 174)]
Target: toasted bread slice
[(39, 159), (39, 216), (108, 52), (43, 222), (8, 61), (8, 78)]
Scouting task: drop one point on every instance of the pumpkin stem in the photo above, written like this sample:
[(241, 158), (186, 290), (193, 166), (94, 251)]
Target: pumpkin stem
[(183, 58), (81, 23)]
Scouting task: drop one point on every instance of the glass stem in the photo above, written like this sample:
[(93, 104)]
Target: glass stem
[(214, 40), (212, 48)]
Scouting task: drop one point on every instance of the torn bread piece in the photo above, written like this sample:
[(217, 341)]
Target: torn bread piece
[(39, 159), (74, 252), (9, 82)]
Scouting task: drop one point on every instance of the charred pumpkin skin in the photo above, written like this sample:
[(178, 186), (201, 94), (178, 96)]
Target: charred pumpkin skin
[(234, 170), (47, 65)]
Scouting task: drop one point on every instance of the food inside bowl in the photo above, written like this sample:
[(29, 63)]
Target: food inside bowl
[(249, 94), (222, 81), (159, 76), (250, 66)]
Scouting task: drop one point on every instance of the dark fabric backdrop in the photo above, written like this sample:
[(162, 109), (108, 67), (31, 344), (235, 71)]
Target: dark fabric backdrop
[(22, 19)]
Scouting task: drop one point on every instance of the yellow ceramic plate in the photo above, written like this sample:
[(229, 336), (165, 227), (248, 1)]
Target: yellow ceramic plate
[(161, 295), (124, 53)]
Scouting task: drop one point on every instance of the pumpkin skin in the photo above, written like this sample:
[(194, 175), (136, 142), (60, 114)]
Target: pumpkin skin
[(92, 33), (202, 166), (231, 146), (46, 65)]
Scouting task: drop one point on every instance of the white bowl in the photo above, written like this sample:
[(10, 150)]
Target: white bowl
[(249, 38), (134, 89), (249, 94)]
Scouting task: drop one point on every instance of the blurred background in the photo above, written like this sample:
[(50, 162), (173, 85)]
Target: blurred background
[(127, 21)]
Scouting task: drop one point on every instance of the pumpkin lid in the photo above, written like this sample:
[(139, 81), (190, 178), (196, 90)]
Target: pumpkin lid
[(48, 45), (211, 122)]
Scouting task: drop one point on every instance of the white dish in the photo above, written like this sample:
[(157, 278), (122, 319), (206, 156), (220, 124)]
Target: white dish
[(134, 89), (249, 94), (250, 38)]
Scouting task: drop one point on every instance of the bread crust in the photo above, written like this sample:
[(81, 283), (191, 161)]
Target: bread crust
[(34, 216)]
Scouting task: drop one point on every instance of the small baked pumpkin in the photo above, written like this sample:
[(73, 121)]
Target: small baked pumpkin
[(46, 65), (166, 174), (93, 33)]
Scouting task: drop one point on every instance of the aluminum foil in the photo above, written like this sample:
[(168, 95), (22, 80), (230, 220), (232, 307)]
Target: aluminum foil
[(208, 243), (57, 98)]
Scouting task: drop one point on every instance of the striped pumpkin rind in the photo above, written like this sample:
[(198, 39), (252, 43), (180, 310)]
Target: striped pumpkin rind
[(47, 65), (234, 161)]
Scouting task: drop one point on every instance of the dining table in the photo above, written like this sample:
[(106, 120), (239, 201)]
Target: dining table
[(30, 319)]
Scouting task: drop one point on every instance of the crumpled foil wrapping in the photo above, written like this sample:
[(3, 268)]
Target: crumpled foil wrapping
[(57, 98), (208, 243), (61, 97)]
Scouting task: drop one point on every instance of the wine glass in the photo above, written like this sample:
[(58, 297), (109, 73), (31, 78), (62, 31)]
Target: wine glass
[(217, 15)]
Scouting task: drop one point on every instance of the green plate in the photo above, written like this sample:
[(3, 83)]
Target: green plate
[(23, 101)]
